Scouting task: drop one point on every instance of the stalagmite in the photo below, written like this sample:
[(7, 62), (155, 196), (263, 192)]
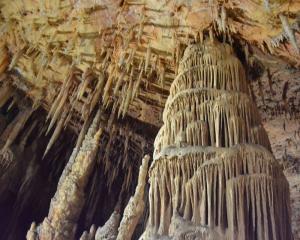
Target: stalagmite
[(68, 201), (212, 175), (109, 230), (135, 206), (32, 234), (89, 235)]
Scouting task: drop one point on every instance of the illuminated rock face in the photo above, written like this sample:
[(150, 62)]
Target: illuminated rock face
[(213, 175)]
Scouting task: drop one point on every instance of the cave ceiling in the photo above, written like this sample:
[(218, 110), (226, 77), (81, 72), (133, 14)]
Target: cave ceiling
[(70, 56)]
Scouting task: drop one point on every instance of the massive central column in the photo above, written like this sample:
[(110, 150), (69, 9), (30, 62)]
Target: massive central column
[(213, 175)]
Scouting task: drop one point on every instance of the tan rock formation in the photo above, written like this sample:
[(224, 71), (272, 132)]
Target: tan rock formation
[(109, 230), (89, 235), (135, 206), (212, 163), (68, 201)]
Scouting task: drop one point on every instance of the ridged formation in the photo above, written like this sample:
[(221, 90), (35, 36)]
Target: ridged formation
[(212, 169)]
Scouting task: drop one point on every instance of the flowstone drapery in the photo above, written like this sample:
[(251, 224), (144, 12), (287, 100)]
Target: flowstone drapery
[(212, 169)]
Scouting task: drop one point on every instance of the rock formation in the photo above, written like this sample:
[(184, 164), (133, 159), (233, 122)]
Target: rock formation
[(135, 206), (212, 162), (68, 201), (109, 230), (63, 60)]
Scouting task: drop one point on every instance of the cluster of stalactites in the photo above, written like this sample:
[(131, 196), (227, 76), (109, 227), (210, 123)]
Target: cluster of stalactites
[(211, 65), (208, 103), (227, 120), (195, 182)]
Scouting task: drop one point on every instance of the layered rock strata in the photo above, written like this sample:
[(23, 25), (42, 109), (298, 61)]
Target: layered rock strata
[(213, 169)]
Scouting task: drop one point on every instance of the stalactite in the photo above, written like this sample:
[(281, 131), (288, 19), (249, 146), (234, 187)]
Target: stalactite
[(222, 20), (5, 93), (135, 206), (68, 201), (138, 82), (56, 132), (289, 32), (4, 58), (97, 92), (119, 82), (108, 84), (18, 125), (212, 160), (16, 57), (59, 103), (87, 77), (147, 57), (128, 93)]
